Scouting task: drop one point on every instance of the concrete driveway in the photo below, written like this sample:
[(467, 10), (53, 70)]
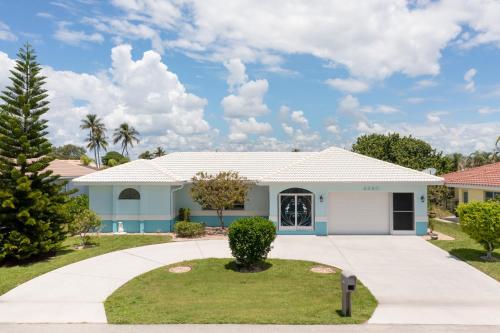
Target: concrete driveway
[(414, 281)]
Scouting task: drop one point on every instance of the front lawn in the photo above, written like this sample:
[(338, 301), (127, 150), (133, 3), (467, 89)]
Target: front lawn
[(12, 276), (466, 249), (213, 292)]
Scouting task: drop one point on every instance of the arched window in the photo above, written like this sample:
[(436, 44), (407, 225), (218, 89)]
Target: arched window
[(129, 194), (296, 209)]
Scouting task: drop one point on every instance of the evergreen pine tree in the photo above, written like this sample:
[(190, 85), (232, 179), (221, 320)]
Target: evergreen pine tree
[(32, 218)]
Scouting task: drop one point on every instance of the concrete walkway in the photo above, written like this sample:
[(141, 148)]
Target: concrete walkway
[(104, 328), (414, 281)]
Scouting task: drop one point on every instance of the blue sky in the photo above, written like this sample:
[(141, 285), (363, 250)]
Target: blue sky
[(206, 75)]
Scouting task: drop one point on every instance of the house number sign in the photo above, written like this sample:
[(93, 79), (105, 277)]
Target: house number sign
[(370, 188)]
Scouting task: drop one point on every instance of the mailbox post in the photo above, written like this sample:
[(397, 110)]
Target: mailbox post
[(348, 283)]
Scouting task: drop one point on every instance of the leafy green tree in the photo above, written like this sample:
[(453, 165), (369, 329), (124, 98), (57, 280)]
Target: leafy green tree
[(82, 220), (146, 155), (126, 135), (113, 158), (403, 150), (481, 221), (85, 160), (68, 152), (32, 218), (219, 192), (159, 151), (96, 139)]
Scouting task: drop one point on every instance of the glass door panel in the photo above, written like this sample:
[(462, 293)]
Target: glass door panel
[(287, 211), (304, 210)]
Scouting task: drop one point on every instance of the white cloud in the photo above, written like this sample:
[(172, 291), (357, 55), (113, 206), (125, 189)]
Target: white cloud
[(332, 127), (5, 65), (416, 100), (5, 33), (298, 118), (237, 73), (45, 15), (435, 116), (470, 85), (389, 36), (73, 37), (488, 110), (349, 85), (351, 105), (365, 127), (240, 129), (423, 84), (289, 130), (142, 92)]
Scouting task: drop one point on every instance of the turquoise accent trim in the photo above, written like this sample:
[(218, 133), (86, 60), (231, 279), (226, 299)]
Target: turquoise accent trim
[(421, 228), (213, 221), (137, 226), (320, 230)]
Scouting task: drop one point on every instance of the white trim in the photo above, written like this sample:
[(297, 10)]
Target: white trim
[(229, 212), (475, 187), (134, 217)]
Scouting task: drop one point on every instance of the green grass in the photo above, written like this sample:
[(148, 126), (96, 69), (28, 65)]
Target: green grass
[(466, 249), (12, 276), (213, 292)]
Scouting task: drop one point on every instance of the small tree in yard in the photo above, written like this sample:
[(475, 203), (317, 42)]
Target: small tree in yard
[(481, 221), (82, 220), (219, 192)]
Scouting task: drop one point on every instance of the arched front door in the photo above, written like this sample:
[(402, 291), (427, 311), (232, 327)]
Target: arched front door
[(296, 209)]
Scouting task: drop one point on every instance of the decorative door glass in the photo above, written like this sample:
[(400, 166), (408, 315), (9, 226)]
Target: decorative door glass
[(296, 211)]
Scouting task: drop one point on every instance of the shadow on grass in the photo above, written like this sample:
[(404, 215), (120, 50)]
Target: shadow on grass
[(472, 255), (259, 267)]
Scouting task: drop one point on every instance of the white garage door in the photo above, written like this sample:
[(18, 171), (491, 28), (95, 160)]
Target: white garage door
[(361, 213)]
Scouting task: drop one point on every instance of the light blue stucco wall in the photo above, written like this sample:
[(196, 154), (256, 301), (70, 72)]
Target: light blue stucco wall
[(152, 213), (257, 204), (149, 214), (321, 208)]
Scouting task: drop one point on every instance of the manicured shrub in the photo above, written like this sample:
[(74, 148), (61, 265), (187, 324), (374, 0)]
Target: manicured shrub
[(250, 239), (481, 221), (189, 229), (184, 214)]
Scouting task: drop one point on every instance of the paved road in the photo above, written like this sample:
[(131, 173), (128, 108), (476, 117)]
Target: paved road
[(413, 281)]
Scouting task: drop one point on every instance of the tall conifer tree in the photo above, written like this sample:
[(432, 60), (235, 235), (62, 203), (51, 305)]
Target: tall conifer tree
[(32, 219)]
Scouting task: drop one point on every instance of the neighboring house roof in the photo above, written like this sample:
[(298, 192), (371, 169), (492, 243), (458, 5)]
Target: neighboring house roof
[(339, 165), (486, 175), (69, 168), (330, 165), (138, 171)]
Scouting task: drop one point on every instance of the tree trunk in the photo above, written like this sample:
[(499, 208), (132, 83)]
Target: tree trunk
[(221, 218), (95, 158), (489, 251)]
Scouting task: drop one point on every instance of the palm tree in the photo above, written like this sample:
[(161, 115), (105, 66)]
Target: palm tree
[(127, 135), (101, 142), (159, 151), (146, 155), (96, 133)]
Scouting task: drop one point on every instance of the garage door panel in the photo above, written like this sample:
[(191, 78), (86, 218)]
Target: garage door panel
[(358, 213)]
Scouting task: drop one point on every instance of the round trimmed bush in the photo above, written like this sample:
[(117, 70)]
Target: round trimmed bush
[(189, 229), (250, 239)]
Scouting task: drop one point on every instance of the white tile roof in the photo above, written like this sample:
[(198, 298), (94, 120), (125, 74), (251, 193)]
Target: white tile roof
[(339, 165), (251, 165), (138, 171), (330, 165)]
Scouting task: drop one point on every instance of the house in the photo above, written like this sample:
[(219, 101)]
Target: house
[(69, 170), (333, 191), (475, 184)]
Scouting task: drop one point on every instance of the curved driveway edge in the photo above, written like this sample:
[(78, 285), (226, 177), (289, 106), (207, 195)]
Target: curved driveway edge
[(414, 282)]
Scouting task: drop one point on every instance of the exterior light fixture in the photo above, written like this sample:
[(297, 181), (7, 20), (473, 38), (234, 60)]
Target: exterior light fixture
[(422, 198), (321, 198)]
